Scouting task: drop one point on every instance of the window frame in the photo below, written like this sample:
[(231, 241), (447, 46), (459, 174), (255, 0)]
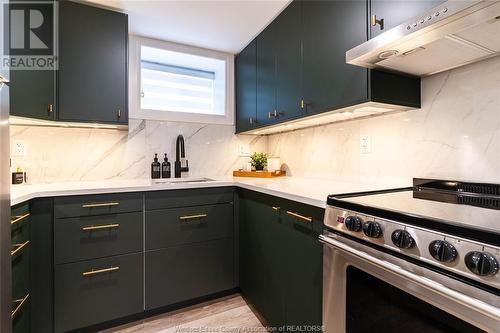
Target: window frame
[(135, 111)]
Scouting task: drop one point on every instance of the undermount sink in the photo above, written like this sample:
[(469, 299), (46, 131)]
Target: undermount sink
[(182, 180)]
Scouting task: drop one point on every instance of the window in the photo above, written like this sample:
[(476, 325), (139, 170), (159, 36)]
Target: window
[(180, 83)]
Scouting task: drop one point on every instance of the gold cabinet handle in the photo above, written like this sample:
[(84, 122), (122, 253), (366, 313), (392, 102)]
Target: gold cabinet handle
[(18, 247), (19, 218), (100, 271), (190, 217), (20, 303), (376, 21), (301, 217), (276, 208), (102, 204), (50, 108), (100, 227)]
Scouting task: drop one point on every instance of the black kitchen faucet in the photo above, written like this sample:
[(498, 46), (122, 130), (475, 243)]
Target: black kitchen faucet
[(180, 154)]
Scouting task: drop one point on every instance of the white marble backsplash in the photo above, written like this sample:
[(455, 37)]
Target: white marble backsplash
[(456, 135), (56, 154)]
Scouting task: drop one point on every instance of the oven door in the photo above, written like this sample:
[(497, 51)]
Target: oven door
[(368, 290)]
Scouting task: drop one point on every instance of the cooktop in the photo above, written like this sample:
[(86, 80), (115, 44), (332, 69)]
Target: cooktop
[(471, 208)]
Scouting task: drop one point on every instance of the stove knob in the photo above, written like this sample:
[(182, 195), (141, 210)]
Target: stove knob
[(481, 263), (372, 229), (442, 251), (353, 223), (402, 239)]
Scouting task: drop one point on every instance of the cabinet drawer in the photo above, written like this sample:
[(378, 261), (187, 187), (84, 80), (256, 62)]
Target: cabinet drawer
[(186, 198), (89, 205), (20, 272), (90, 237), (96, 291), (176, 226), (185, 272), (19, 221)]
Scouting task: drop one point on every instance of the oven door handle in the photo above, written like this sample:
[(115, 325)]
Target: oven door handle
[(465, 300)]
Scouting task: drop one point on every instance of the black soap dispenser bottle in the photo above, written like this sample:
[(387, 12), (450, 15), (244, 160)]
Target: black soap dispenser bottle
[(165, 168), (155, 168)]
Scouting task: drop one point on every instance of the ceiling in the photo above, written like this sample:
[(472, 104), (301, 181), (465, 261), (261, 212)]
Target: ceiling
[(227, 25)]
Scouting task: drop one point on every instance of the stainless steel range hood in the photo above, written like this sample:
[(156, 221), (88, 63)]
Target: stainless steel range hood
[(450, 35)]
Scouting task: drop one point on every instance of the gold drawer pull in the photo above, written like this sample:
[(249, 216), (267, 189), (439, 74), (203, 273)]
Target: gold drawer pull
[(18, 247), (19, 218), (100, 271), (276, 208), (100, 227), (102, 204), (20, 304), (190, 217), (304, 218)]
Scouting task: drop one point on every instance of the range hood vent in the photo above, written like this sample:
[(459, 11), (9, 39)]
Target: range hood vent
[(450, 35)]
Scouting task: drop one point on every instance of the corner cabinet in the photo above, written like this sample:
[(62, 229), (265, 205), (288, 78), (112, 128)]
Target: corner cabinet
[(281, 260), (301, 68), (91, 84), (93, 60)]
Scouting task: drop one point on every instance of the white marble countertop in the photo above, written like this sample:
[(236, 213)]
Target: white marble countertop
[(309, 191)]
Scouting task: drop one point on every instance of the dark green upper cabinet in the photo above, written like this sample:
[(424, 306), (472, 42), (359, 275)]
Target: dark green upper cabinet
[(279, 68), (395, 12), (92, 81), (288, 63), (246, 95), (301, 65), (32, 94), (266, 74), (329, 28)]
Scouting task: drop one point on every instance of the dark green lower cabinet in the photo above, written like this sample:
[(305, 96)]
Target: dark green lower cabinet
[(281, 259), (303, 274), (20, 255), (261, 258), (181, 273), (95, 291)]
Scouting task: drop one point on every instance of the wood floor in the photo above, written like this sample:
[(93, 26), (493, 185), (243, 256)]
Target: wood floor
[(230, 314)]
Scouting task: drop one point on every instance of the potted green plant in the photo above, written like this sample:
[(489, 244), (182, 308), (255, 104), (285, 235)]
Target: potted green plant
[(258, 161)]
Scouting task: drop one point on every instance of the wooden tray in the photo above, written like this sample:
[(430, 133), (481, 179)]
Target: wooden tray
[(259, 174)]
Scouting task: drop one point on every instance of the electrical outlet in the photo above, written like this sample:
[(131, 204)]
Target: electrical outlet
[(19, 148), (365, 143), (244, 150)]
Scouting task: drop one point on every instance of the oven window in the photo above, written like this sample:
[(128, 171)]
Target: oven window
[(376, 306)]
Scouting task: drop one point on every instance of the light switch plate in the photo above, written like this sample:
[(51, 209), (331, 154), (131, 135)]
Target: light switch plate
[(244, 150), (19, 148), (365, 143)]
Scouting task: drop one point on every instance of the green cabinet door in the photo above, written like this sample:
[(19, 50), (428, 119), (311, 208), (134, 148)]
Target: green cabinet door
[(395, 12), (329, 29), (246, 95), (261, 257), (32, 94), (303, 267), (288, 63), (266, 74), (93, 68)]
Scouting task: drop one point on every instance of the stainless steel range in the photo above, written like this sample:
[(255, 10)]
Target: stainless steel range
[(418, 259)]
